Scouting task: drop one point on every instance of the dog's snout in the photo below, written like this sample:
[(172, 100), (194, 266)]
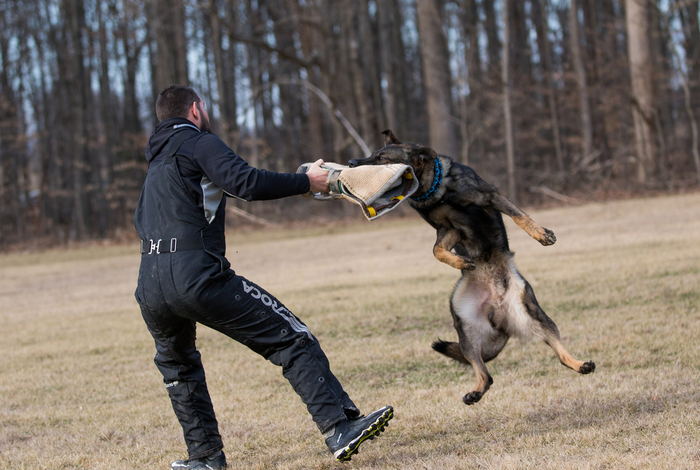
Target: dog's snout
[(352, 163)]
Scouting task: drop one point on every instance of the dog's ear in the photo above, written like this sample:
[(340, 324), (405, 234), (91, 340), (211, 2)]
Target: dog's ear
[(422, 155), (390, 138)]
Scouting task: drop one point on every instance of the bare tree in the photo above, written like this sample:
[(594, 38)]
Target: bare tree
[(507, 112), (542, 23), (168, 22), (581, 80), (389, 70), (9, 138), (78, 80), (641, 74), (471, 119), (225, 116), (436, 71), (371, 76), (687, 91)]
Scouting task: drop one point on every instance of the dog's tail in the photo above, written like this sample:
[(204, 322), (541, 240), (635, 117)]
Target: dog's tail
[(450, 349)]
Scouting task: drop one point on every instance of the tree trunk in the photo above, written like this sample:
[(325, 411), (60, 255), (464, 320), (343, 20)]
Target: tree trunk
[(169, 24), (520, 45), (581, 80), (358, 84), (385, 15), (436, 72), (508, 117), (544, 45), (9, 153), (594, 69), (641, 74), (471, 104), (371, 74), (688, 94), (688, 13), (695, 147), (47, 161), (230, 82), (314, 141), (103, 160), (400, 64), (219, 72), (75, 23), (107, 115), (178, 48), (494, 43), (151, 11)]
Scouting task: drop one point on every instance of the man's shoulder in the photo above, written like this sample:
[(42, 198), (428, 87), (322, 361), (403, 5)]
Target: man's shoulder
[(210, 143), (211, 139)]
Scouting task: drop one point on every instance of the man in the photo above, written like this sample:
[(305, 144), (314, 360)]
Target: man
[(186, 279)]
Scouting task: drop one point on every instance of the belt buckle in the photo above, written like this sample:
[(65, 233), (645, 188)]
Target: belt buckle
[(173, 245), (155, 246)]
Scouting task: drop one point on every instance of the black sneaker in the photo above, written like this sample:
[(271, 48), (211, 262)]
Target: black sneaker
[(347, 435), (213, 462)]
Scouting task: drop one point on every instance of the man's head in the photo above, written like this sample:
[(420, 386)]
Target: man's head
[(184, 102)]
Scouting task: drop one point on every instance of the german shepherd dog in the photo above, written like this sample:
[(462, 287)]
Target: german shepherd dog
[(491, 301)]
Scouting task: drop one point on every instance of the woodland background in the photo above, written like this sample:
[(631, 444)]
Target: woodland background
[(544, 98)]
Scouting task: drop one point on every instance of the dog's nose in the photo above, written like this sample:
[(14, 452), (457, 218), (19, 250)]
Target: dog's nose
[(352, 163)]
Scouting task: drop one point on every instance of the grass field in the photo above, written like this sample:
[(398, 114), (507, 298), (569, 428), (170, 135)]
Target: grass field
[(80, 391)]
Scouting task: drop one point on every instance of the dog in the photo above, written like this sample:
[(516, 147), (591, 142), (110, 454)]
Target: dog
[(492, 301)]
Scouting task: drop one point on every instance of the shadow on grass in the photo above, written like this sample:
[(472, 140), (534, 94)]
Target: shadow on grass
[(565, 414)]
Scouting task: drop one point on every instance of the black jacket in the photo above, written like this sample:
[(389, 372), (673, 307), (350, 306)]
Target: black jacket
[(212, 165), (183, 195)]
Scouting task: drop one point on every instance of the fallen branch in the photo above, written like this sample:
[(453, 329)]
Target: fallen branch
[(251, 217), (558, 196), (329, 104)]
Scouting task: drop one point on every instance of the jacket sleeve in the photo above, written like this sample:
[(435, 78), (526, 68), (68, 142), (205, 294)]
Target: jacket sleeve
[(233, 174)]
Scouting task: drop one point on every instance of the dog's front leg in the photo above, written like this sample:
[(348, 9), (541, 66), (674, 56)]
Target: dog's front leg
[(543, 235), (447, 238)]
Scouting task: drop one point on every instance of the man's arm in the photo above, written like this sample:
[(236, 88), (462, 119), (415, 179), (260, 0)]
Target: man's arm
[(233, 174)]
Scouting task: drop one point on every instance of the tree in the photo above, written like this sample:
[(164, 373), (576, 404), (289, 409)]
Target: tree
[(582, 81), (78, 80), (168, 22), (542, 25), (507, 111), (641, 74), (436, 73)]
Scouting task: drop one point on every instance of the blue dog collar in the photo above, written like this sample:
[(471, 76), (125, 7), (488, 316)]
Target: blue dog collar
[(437, 181)]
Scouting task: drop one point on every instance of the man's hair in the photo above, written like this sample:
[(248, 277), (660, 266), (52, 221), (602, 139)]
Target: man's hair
[(175, 101)]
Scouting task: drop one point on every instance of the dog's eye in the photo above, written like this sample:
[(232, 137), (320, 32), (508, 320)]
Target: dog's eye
[(380, 158)]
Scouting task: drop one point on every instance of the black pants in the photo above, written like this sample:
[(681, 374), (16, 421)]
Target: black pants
[(246, 313)]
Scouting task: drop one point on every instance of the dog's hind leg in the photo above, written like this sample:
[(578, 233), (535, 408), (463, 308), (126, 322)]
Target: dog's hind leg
[(479, 339), (455, 351), (483, 378), (548, 331)]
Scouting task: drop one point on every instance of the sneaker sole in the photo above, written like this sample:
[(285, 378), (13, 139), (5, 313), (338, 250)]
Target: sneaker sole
[(373, 430)]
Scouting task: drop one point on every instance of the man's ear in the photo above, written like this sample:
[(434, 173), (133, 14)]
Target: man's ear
[(422, 155), (390, 138), (194, 110)]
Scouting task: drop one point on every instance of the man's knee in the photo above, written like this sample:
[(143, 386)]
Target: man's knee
[(297, 350), (180, 366)]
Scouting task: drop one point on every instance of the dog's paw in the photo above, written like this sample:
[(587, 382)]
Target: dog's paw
[(472, 397), (587, 367), (466, 263), (548, 238)]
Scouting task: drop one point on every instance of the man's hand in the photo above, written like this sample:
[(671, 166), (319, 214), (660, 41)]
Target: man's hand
[(318, 178)]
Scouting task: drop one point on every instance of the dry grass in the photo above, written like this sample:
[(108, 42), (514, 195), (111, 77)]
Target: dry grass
[(79, 389)]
